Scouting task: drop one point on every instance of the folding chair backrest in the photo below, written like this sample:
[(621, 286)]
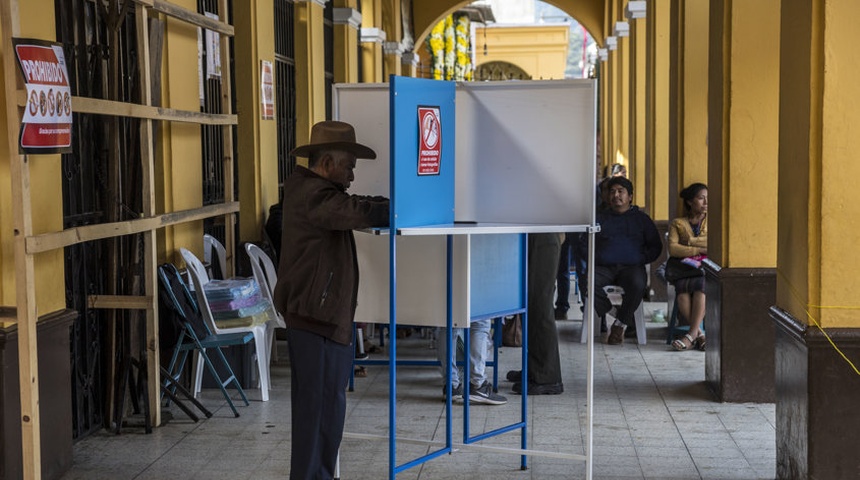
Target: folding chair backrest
[(176, 296)]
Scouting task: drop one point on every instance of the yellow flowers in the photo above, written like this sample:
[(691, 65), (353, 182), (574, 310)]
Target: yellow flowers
[(450, 47)]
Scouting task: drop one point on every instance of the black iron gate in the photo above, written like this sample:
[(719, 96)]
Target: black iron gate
[(212, 136), (101, 183), (285, 88)]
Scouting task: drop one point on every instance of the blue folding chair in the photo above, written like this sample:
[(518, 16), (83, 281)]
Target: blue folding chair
[(195, 337)]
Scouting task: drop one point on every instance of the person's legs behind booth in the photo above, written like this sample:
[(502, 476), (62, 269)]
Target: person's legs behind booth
[(480, 389), (544, 372), (562, 300)]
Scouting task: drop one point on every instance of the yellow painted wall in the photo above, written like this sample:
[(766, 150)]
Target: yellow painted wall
[(7, 224), (257, 140), (638, 46), (36, 21), (310, 68), (694, 158), (371, 52), (840, 142), (346, 39), (393, 28), (540, 50), (754, 145), (658, 117), (798, 248), (180, 150)]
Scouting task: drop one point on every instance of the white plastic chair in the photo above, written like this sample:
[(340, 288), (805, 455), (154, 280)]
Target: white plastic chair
[(210, 242), (200, 278), (615, 296), (266, 276)]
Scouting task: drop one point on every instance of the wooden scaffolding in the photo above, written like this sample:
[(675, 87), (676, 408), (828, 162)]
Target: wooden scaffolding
[(27, 245)]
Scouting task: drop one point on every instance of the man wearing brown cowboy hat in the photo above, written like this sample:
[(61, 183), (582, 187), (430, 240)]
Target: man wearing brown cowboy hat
[(317, 289)]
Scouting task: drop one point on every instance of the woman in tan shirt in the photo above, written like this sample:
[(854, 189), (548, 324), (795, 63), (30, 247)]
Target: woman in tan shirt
[(688, 237)]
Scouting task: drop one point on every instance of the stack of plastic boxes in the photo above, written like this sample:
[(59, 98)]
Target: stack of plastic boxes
[(236, 302)]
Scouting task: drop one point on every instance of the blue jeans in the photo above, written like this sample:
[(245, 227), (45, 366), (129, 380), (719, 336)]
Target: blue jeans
[(479, 339)]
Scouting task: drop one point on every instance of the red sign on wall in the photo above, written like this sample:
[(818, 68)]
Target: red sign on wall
[(47, 123), (429, 141)]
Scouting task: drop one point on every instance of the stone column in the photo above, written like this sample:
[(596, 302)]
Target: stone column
[(372, 38), (410, 61), (310, 66), (816, 312), (657, 108), (742, 180), (688, 115), (347, 22), (256, 139)]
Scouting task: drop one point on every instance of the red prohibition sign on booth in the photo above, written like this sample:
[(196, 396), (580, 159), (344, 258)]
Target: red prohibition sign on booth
[(430, 141)]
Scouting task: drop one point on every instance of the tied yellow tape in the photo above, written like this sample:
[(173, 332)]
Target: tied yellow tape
[(815, 322)]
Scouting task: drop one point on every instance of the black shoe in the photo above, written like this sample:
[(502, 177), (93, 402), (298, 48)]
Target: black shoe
[(539, 388), (560, 314), (360, 355), (616, 335), (514, 375)]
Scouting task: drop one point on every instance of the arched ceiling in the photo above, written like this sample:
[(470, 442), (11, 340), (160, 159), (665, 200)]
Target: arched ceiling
[(589, 13)]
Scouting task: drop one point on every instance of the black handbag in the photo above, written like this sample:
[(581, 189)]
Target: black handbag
[(676, 270)]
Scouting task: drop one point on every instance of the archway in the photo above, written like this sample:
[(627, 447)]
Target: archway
[(427, 13), (500, 71)]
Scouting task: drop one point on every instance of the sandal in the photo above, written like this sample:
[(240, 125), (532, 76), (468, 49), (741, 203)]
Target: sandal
[(684, 343), (700, 343), (360, 371)]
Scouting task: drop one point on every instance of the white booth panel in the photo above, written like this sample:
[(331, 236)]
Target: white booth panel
[(526, 152), (365, 107), (421, 280)]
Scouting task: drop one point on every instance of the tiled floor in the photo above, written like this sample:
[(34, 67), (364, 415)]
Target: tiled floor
[(653, 418)]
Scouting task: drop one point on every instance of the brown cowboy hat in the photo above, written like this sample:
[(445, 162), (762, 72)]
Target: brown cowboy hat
[(332, 135)]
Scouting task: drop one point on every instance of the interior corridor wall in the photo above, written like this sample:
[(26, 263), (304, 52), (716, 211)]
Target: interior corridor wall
[(36, 21)]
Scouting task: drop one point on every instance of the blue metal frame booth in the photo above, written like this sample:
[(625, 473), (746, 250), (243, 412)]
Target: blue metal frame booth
[(436, 212)]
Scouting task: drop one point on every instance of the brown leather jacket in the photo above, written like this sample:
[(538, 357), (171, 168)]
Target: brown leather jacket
[(317, 285)]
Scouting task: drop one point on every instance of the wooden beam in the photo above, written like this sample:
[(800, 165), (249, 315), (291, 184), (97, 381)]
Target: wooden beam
[(150, 254), (227, 141), (121, 302), (189, 16), (25, 288), (72, 236), (132, 110)]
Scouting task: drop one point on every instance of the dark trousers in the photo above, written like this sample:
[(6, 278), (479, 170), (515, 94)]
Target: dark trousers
[(544, 362), (562, 302), (319, 374), (632, 278)]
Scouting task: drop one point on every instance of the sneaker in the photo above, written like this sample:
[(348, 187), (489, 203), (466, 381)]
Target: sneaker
[(456, 393), (539, 388), (616, 335), (484, 394), (514, 375)]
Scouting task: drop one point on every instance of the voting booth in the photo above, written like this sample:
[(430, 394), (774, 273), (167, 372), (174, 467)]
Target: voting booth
[(471, 169)]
